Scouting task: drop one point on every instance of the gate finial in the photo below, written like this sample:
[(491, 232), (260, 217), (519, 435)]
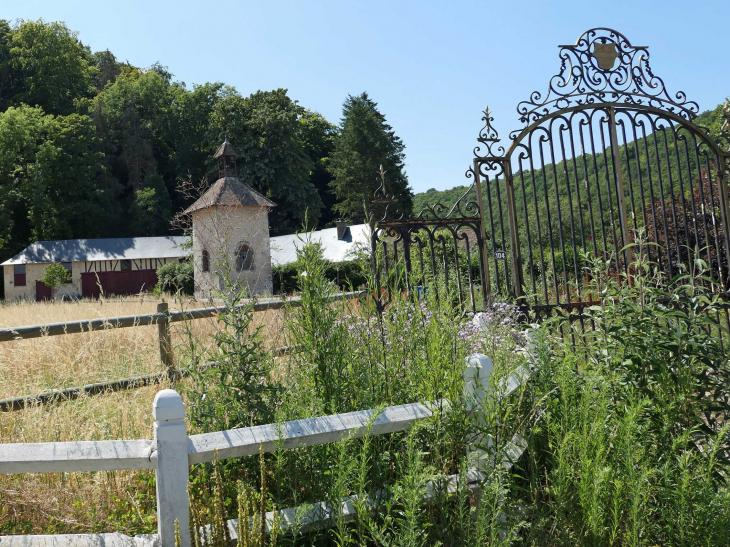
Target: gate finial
[(487, 137)]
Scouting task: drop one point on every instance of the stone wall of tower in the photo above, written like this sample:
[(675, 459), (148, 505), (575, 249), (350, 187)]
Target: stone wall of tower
[(221, 231)]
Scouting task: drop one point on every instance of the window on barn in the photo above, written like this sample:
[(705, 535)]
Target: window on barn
[(69, 269), (206, 261), (244, 258), (126, 265), (19, 275)]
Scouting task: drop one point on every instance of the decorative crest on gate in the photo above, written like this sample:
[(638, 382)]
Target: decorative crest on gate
[(603, 66)]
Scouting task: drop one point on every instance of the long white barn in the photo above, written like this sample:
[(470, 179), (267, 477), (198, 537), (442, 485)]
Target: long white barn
[(129, 265)]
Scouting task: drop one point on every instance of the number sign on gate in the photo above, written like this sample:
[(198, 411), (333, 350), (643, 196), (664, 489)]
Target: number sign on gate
[(500, 255)]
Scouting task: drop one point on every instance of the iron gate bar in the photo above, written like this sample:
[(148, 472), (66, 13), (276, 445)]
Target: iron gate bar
[(712, 210), (674, 126), (722, 168), (557, 202), (527, 227), (661, 193), (684, 138), (485, 274), (641, 180), (606, 165), (659, 123), (570, 204), (702, 197), (516, 256), (627, 157), (620, 191)]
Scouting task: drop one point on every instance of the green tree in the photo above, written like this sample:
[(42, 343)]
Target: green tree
[(152, 126), (318, 138), (54, 276), (176, 277), (133, 117), (192, 139), (266, 131), (51, 184), (366, 142), (151, 208), (53, 65), (108, 68), (6, 70)]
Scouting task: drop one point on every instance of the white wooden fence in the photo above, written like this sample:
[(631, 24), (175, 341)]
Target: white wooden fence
[(172, 451)]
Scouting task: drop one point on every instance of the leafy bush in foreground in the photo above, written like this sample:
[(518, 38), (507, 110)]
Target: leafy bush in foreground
[(627, 444)]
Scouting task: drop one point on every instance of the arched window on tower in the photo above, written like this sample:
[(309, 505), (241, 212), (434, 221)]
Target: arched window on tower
[(206, 261), (244, 257)]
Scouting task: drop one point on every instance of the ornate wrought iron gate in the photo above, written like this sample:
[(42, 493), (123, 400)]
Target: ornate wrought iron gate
[(440, 250), (606, 155)]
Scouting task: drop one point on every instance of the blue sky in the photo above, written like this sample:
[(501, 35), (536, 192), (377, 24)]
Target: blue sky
[(431, 66)]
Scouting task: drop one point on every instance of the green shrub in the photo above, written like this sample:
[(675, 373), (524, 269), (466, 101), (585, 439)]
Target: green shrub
[(627, 421), (346, 275), (176, 277), (55, 275)]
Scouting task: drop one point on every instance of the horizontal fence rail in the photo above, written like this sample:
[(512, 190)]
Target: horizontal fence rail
[(89, 325), (75, 456), (162, 319), (53, 396), (310, 431)]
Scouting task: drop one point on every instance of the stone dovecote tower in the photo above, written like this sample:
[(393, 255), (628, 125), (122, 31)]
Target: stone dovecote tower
[(231, 234)]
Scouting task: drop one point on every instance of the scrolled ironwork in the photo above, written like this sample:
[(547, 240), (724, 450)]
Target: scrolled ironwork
[(387, 202), (463, 208), (603, 66), (488, 138)]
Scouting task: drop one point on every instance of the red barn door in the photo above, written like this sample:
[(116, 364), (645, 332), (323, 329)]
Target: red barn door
[(117, 283), (42, 291)]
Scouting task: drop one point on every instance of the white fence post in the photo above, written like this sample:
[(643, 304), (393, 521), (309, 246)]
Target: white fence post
[(478, 372), (477, 375), (532, 344), (171, 443)]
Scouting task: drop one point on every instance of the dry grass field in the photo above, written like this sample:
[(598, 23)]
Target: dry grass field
[(74, 502)]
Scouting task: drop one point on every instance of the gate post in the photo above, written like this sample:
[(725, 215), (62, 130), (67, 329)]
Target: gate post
[(486, 276), (513, 234), (722, 173)]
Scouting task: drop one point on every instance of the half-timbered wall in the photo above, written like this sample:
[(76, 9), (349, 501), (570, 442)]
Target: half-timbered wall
[(34, 272)]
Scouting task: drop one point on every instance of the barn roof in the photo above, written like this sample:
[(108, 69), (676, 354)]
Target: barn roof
[(231, 192), (284, 248), (79, 250)]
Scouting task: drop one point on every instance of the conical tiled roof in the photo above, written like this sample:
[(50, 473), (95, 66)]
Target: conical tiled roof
[(230, 192)]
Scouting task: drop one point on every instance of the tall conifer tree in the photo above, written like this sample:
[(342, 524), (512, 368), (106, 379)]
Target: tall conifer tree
[(366, 142)]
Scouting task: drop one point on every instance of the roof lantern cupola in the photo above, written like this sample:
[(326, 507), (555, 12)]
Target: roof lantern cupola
[(226, 156), (228, 190)]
